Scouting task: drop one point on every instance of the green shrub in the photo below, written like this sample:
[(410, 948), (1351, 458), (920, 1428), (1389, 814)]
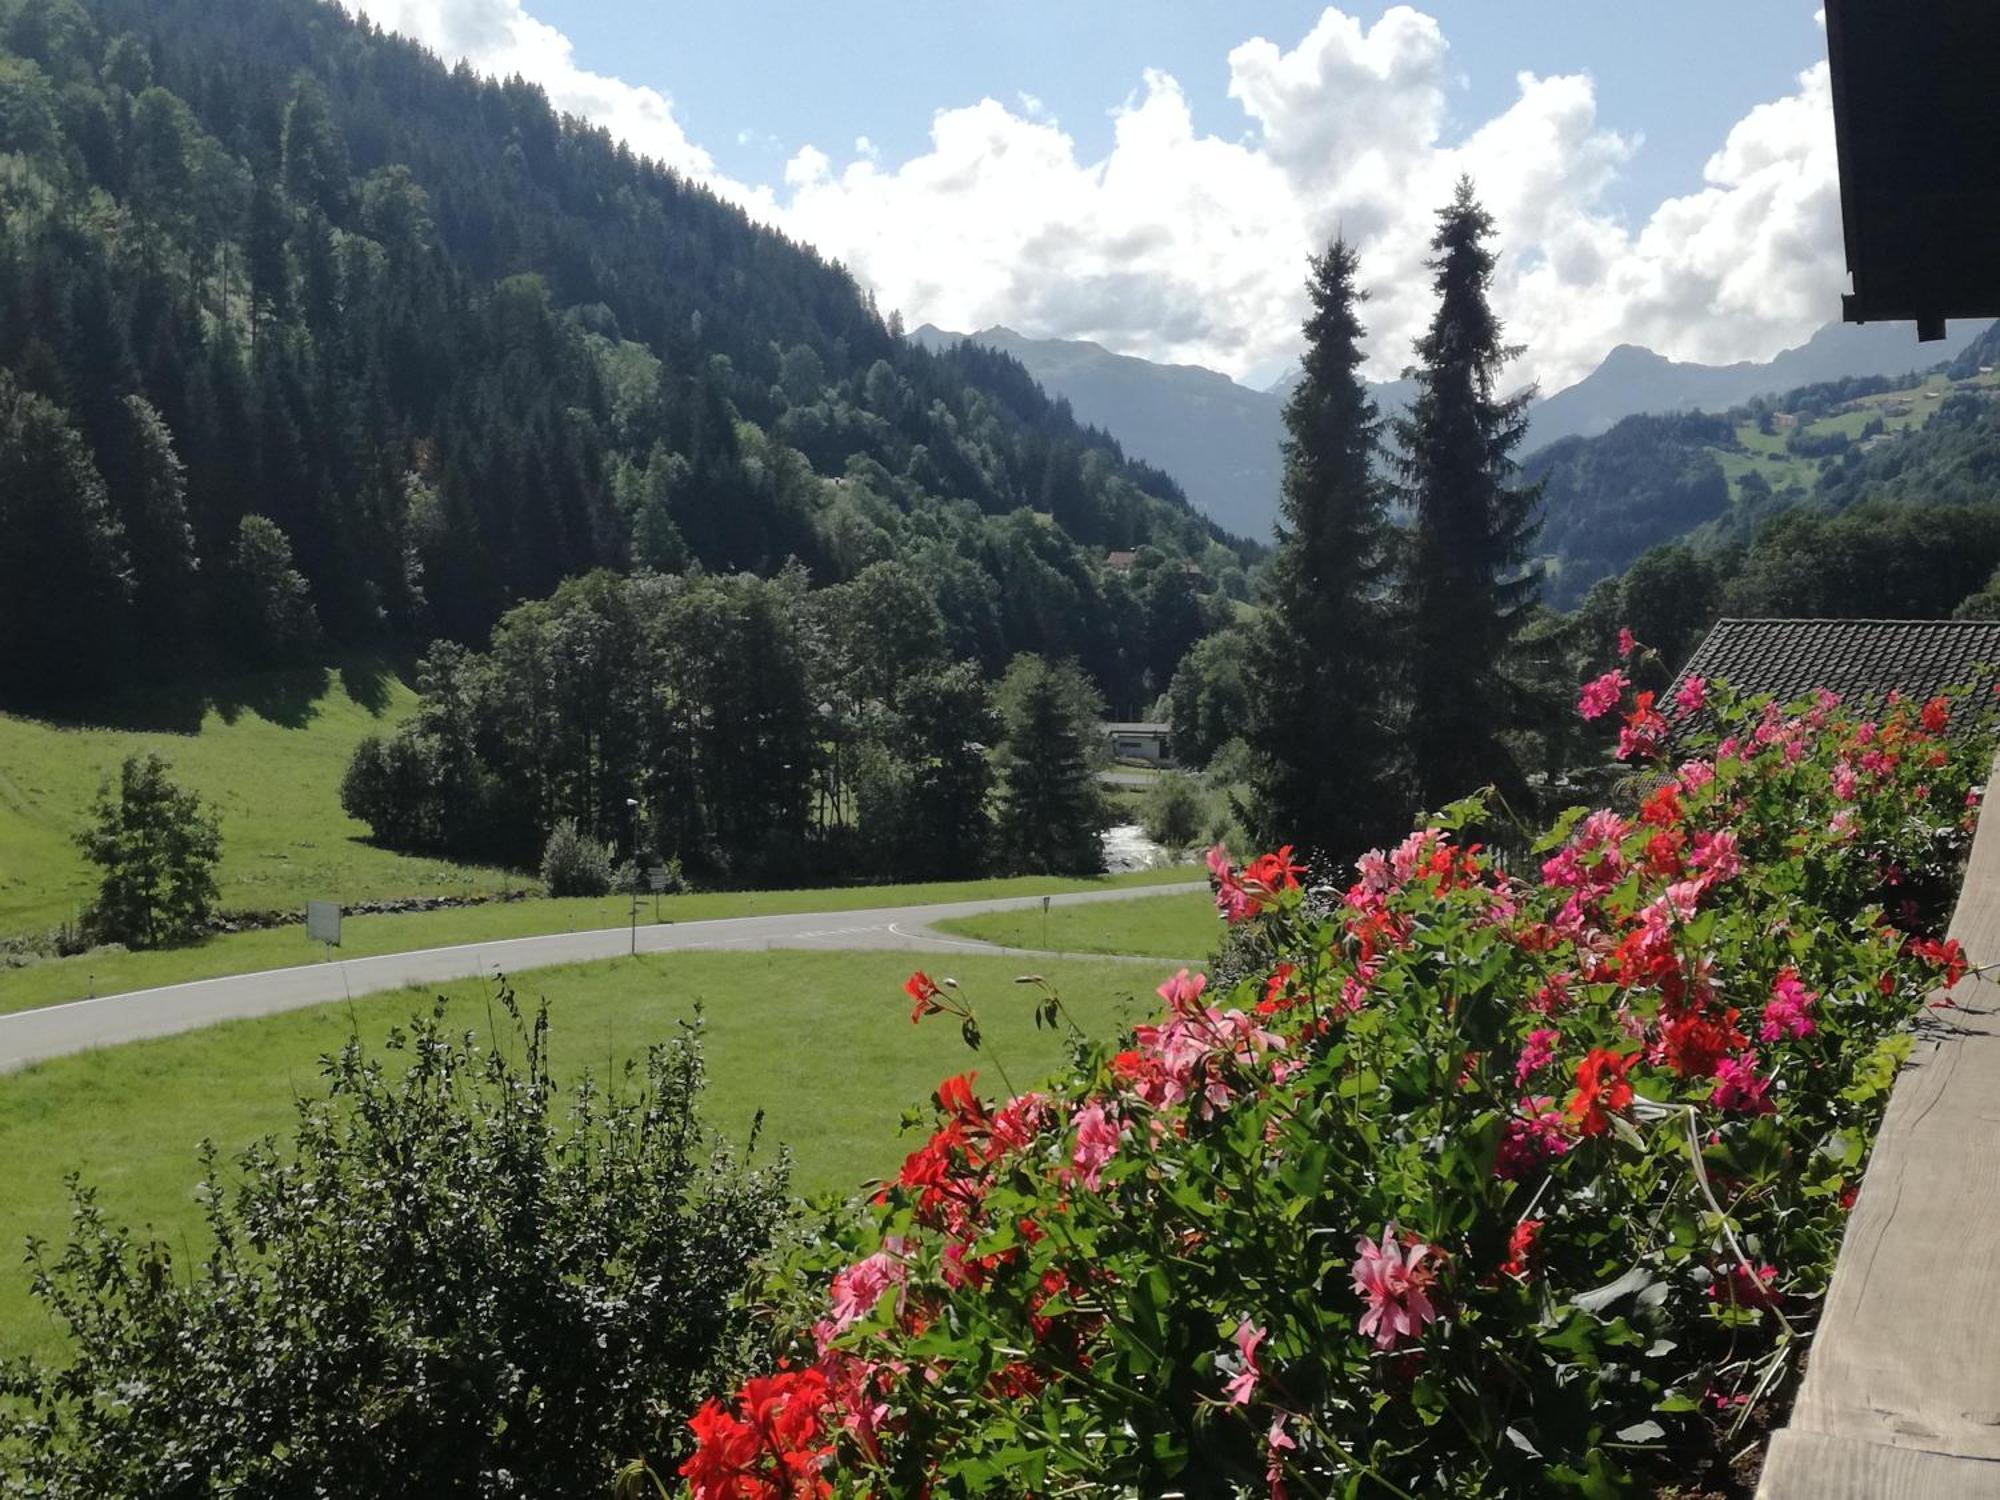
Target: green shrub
[(462, 1279), (1175, 813), (574, 864)]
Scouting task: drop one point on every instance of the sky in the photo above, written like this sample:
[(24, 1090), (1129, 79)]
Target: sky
[(1153, 174)]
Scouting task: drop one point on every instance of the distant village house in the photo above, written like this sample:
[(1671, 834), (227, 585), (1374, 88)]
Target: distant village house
[(1151, 743)]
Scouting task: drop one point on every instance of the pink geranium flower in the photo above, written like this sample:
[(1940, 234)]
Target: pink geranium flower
[(1244, 1383), (857, 1289), (1738, 1087), (1278, 1440), (1235, 903), (1717, 856), (1626, 645), (1695, 775), (1394, 1280), (1692, 696), (1533, 1137), (1097, 1137), (1788, 1014), (1183, 991), (1601, 695), (1536, 1053)]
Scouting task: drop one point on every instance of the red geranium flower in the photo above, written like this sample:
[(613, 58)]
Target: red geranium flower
[(1601, 1090), (921, 988), (769, 1449)]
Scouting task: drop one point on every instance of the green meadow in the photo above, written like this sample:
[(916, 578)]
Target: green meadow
[(820, 1043), (268, 750), (1181, 926)]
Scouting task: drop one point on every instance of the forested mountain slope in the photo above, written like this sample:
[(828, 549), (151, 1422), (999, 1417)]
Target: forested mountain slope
[(1719, 479), (304, 335), (1221, 440)]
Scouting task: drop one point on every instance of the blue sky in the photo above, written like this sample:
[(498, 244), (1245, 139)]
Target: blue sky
[(1153, 176), (754, 82)]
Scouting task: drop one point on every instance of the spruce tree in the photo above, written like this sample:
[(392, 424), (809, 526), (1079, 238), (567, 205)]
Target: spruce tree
[(1321, 661), (1052, 815), (1470, 587)]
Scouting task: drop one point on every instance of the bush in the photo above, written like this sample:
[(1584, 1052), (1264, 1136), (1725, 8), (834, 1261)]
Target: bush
[(1174, 812), (1480, 1184), (574, 864), (158, 847), (462, 1280)]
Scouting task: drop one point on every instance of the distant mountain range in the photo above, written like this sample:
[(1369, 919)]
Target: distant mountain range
[(1221, 439), (1633, 379), (1218, 438)]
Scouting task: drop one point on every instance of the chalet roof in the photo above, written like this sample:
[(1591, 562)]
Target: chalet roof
[(1862, 660), (1138, 727)]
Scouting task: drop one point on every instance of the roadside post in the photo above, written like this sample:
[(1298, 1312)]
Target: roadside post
[(632, 807), (1045, 924), (656, 877)]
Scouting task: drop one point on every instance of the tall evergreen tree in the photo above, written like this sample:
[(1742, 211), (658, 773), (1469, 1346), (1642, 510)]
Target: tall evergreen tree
[(1321, 662), (1052, 815), (1470, 586), (65, 577)]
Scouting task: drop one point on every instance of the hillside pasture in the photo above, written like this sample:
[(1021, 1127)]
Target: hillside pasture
[(268, 750)]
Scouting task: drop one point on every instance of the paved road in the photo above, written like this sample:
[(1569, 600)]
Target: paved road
[(30, 1035)]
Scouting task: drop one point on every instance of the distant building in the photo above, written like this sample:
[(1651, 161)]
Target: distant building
[(1152, 743), (1120, 562)]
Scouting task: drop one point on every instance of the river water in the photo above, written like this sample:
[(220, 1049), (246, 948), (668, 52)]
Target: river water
[(1126, 847)]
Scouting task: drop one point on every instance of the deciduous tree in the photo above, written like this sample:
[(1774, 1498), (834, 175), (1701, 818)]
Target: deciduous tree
[(158, 846)]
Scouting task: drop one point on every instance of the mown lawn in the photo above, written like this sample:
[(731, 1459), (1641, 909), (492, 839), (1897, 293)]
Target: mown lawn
[(53, 981), (821, 1042), (1183, 926), (269, 750)]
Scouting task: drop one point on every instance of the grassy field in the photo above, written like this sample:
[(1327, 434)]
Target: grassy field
[(822, 1042), (268, 750), (1183, 926), (53, 981), (1765, 454)]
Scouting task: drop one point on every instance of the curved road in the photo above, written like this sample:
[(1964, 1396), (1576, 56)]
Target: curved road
[(28, 1036)]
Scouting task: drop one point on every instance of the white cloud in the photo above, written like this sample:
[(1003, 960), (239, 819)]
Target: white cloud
[(500, 38), (1186, 244)]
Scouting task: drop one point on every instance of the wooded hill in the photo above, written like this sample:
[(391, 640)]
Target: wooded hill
[(304, 336), (1718, 480)]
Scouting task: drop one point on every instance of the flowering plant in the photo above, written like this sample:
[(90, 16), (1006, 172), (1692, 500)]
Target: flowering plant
[(1494, 1181)]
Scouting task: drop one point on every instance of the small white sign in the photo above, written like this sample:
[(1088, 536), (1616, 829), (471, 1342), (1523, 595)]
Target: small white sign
[(656, 877), (323, 922)]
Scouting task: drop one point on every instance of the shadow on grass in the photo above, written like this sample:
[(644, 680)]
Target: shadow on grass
[(367, 683), (288, 697)]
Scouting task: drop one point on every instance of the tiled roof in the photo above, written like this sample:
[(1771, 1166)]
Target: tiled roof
[(1859, 659)]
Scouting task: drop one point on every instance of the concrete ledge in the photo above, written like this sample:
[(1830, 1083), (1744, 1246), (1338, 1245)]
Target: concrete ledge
[(1901, 1395)]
